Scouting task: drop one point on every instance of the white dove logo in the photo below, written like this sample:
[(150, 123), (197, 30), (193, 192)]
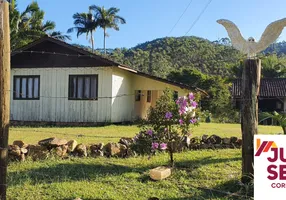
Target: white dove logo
[(250, 47)]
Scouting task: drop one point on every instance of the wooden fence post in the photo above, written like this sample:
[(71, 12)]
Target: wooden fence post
[(249, 112), (4, 94)]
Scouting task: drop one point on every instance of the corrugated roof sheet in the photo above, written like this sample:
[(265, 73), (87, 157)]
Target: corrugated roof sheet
[(269, 87)]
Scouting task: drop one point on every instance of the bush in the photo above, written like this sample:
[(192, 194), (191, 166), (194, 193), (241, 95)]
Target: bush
[(166, 123)]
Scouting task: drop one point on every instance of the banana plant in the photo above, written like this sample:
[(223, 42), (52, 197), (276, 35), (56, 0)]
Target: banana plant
[(279, 117)]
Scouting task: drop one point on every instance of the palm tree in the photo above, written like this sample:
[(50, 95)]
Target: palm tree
[(279, 117), (60, 36), (107, 19), (28, 25), (84, 24)]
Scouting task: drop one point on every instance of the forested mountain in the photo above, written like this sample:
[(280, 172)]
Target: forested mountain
[(161, 56)]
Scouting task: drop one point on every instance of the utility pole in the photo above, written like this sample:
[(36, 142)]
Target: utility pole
[(4, 94)]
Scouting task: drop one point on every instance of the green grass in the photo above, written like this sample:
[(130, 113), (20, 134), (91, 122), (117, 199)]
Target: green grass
[(114, 133), (197, 174), (105, 178)]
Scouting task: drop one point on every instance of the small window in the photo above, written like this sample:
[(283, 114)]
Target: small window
[(175, 95), (149, 93), (137, 95), (83, 87), (26, 87)]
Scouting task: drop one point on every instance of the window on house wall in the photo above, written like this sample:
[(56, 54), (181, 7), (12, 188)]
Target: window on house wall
[(83, 87), (175, 95), (137, 95), (26, 87), (149, 94)]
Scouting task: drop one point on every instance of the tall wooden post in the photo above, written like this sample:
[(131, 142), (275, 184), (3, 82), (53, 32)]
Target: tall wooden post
[(4, 94), (249, 112)]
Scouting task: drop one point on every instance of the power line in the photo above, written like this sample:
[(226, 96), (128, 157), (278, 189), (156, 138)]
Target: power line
[(202, 12), (180, 17)]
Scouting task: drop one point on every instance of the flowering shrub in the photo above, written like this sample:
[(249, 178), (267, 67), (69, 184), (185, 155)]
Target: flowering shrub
[(167, 122)]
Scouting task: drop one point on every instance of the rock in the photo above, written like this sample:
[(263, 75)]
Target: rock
[(100, 146), (24, 151), (115, 149), (204, 138), (186, 141), (64, 150), (71, 145), (52, 142), (233, 140), (80, 150), (19, 143), (195, 140), (239, 142), (226, 141), (126, 141), (160, 173), (37, 152), (214, 139), (97, 153)]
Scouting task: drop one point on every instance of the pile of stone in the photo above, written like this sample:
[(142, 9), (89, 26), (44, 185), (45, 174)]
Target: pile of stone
[(55, 147), (214, 142)]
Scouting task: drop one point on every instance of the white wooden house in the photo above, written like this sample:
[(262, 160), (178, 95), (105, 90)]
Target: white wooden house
[(52, 81)]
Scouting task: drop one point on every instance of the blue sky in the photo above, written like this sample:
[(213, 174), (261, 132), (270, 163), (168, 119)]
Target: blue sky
[(151, 19)]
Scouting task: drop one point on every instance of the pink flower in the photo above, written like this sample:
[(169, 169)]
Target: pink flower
[(193, 121), (181, 121), (155, 145), (191, 96), (163, 146), (194, 104), (182, 110), (169, 115), (150, 132), (165, 129)]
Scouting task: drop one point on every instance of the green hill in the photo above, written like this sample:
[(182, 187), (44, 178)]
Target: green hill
[(163, 55)]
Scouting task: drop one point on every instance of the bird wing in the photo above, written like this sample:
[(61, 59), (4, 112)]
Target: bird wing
[(237, 40), (270, 34)]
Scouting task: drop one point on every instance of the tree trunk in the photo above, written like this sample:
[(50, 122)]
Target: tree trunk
[(92, 42), (104, 40), (249, 112), (4, 97)]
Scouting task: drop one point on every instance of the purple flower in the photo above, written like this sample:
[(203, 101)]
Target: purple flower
[(150, 132), (155, 145), (194, 104), (163, 146), (169, 115), (191, 96), (181, 121), (182, 110), (193, 121)]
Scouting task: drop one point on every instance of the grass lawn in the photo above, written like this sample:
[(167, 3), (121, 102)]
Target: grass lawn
[(198, 174), (114, 133)]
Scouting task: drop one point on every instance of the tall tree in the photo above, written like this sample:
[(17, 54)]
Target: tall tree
[(29, 25), (84, 24), (107, 18)]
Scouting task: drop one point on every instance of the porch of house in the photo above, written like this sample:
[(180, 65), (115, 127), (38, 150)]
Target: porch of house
[(144, 99)]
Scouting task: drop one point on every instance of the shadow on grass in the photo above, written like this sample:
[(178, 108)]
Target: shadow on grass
[(230, 190), (193, 164), (64, 172)]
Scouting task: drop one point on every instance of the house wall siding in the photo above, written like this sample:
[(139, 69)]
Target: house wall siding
[(123, 96), (124, 108), (54, 105)]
